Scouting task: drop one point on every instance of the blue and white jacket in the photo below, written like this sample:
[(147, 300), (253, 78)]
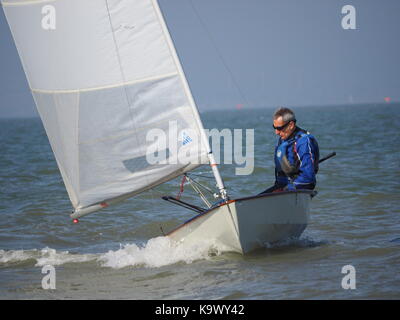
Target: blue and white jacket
[(296, 160)]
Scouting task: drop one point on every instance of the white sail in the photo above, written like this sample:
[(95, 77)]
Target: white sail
[(103, 73)]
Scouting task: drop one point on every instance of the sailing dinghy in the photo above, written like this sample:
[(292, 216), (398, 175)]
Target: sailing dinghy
[(105, 77)]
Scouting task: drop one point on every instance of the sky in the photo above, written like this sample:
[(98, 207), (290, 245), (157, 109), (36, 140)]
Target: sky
[(263, 53)]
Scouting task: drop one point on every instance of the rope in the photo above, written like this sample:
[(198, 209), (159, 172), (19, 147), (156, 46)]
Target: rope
[(181, 187)]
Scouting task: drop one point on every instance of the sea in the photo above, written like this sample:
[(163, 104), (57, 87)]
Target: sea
[(350, 249)]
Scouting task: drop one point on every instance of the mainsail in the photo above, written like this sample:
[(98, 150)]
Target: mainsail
[(103, 74)]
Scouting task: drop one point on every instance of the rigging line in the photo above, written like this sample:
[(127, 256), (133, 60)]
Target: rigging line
[(200, 185), (201, 176), (198, 191), (210, 38)]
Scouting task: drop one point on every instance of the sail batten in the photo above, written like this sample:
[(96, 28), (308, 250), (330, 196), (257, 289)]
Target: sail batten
[(107, 86), (102, 80), (25, 2)]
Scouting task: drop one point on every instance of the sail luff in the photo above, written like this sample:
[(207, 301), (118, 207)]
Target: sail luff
[(204, 137)]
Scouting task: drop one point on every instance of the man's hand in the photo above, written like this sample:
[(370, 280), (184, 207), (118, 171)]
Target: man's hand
[(290, 187)]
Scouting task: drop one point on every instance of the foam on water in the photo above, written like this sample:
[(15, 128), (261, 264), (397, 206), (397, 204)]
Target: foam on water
[(14, 256), (155, 253), (43, 257)]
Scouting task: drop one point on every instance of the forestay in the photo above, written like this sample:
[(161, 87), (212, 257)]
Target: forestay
[(103, 73)]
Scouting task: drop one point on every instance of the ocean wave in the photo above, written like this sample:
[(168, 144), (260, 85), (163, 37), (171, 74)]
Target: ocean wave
[(156, 252), (45, 256)]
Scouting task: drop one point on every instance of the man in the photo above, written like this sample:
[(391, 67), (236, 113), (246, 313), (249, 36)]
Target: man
[(296, 154)]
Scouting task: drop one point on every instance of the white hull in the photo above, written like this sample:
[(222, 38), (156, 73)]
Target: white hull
[(245, 224)]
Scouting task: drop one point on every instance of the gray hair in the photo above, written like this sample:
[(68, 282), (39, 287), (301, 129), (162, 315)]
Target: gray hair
[(286, 114)]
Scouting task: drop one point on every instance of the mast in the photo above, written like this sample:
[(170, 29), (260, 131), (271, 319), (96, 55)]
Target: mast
[(211, 158)]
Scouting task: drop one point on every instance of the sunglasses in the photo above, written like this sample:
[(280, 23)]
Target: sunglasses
[(282, 127)]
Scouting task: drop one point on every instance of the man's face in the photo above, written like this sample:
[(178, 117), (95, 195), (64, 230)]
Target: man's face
[(284, 129)]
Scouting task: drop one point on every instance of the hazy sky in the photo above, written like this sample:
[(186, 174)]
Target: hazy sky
[(263, 53)]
